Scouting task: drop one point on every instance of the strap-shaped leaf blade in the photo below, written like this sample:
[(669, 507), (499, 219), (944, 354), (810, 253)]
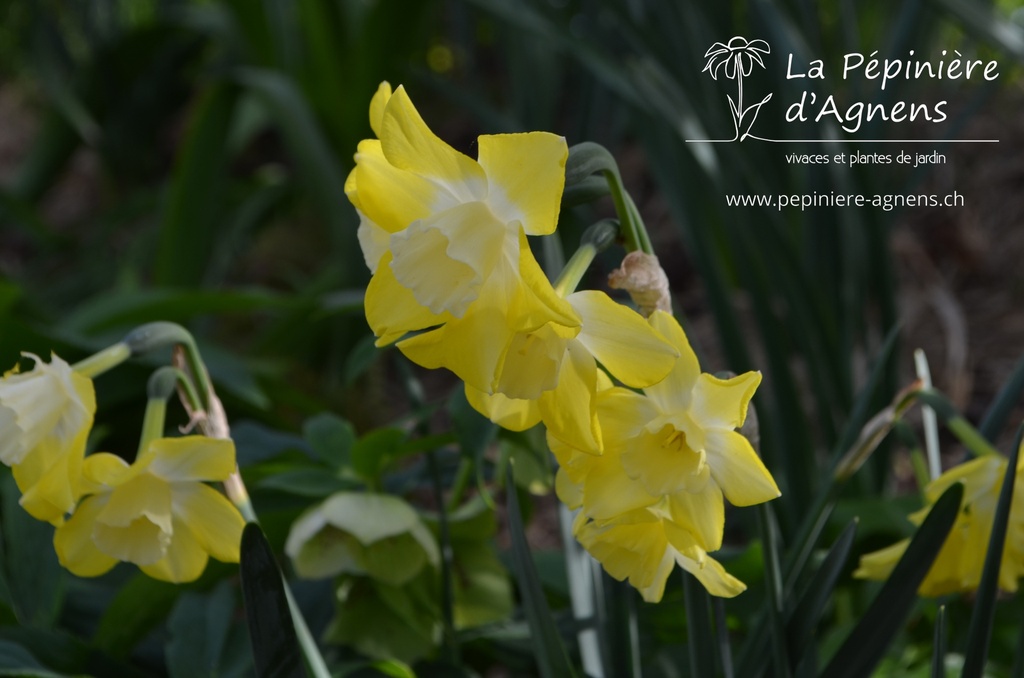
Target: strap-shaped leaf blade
[(868, 641), (275, 647), (979, 633)]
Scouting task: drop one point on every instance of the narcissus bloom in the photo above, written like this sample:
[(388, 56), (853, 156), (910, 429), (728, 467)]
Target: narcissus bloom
[(644, 548), (553, 376), (670, 454), (156, 513), (957, 568), (445, 238), (45, 418)]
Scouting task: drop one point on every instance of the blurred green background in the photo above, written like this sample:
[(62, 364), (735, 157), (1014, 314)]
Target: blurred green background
[(185, 161)]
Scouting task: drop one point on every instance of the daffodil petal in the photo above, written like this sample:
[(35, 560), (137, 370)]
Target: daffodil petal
[(185, 559), (50, 478), (526, 174), (608, 492), (390, 197), (879, 564), (74, 544), (713, 576), (103, 470), (378, 103), (738, 470), (391, 310), (410, 145), (444, 258), (508, 413), (192, 458), (568, 492), (568, 411), (144, 495), (665, 464), (722, 403), (533, 361), (623, 414), (214, 521), (700, 513), (622, 340), (471, 346), (674, 392)]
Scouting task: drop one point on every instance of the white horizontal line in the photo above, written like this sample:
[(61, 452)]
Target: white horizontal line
[(849, 141)]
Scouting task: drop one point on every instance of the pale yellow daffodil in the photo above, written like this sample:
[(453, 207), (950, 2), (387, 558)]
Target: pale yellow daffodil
[(552, 376), (156, 513), (671, 456), (958, 567), (45, 418), (445, 238), (644, 548)]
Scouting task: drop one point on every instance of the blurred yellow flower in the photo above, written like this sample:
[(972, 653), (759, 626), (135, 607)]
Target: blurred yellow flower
[(156, 513), (957, 568), (45, 418), (445, 238), (552, 376)]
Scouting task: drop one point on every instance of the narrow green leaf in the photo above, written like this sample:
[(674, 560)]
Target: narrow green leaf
[(979, 634), (275, 647), (869, 639), (939, 645), (700, 639), (195, 200), (15, 660), (35, 578), (198, 630), (804, 616), (773, 580), (139, 606), (999, 411), (551, 657)]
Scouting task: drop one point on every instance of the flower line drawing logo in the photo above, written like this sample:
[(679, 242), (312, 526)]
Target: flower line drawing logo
[(736, 60)]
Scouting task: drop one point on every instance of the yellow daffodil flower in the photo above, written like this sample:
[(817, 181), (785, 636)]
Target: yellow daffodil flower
[(645, 548), (156, 513), (671, 456), (553, 377), (45, 418), (957, 568), (445, 238)]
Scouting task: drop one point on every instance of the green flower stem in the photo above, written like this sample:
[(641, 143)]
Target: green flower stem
[(153, 336), (462, 477), (314, 660), (107, 359), (633, 230), (776, 595), (595, 239), (958, 426), (152, 423)]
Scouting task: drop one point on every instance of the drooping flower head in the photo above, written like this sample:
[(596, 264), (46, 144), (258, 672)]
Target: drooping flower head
[(957, 568), (157, 513), (445, 238), (670, 454), (45, 418)]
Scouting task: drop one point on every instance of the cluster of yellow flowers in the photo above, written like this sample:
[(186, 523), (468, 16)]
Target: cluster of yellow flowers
[(456, 285), (156, 512)]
